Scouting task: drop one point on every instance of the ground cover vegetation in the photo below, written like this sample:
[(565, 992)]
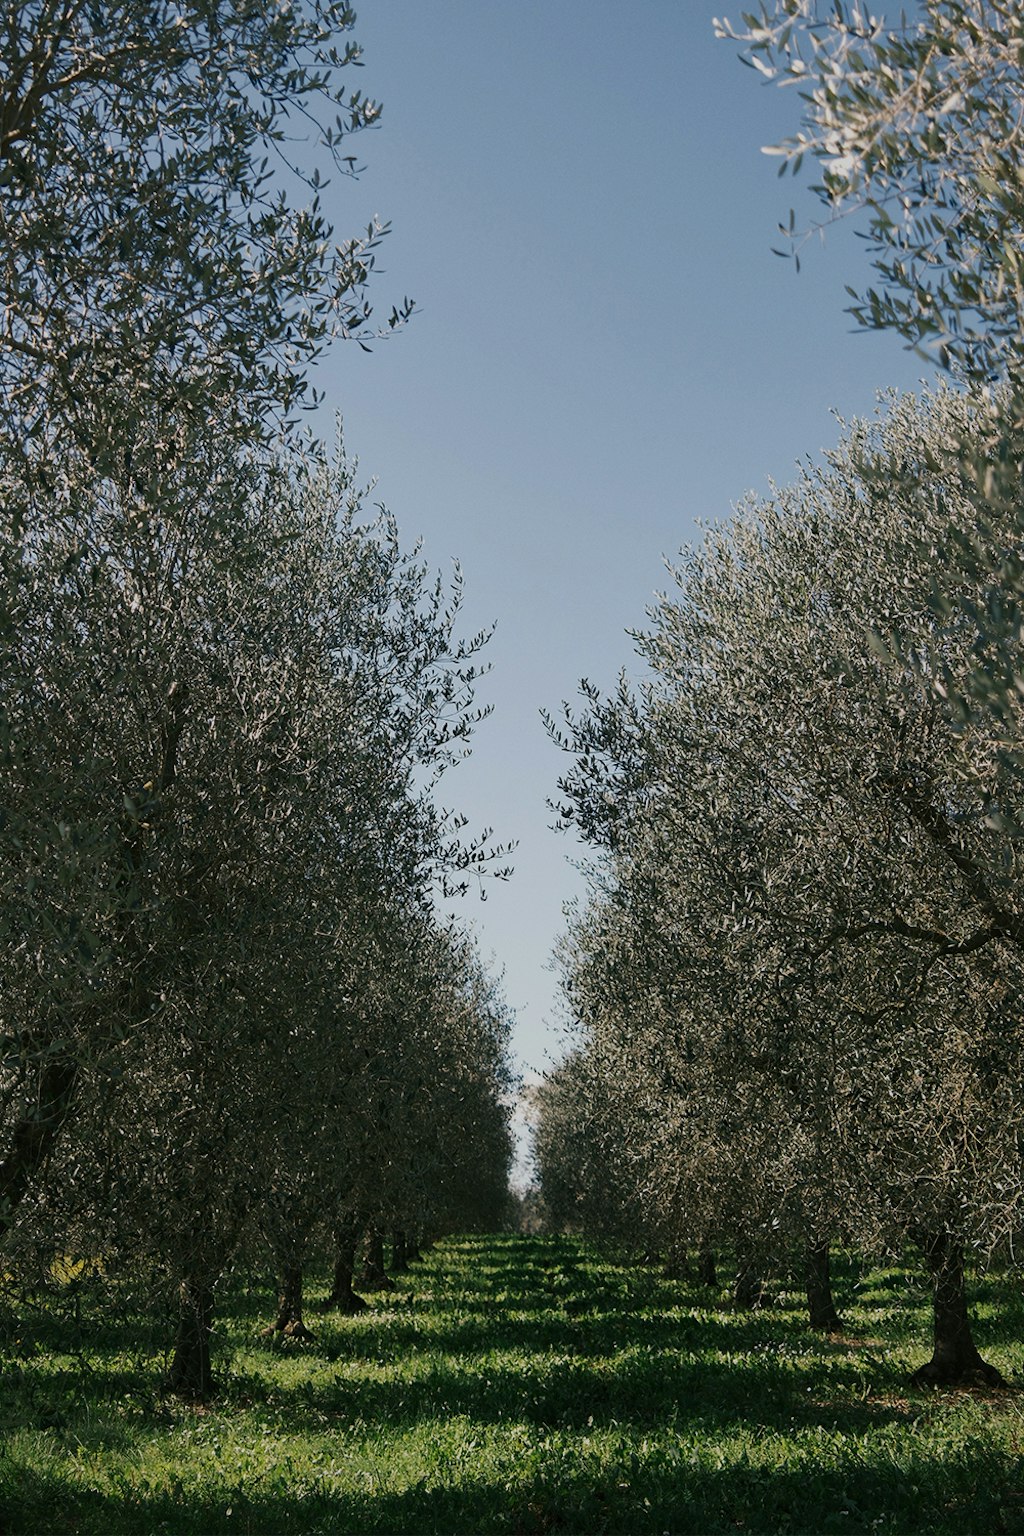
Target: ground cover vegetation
[(796, 982), (232, 1012), (522, 1385)]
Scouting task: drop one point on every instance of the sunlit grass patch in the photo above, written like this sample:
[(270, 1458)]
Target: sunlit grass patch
[(520, 1385)]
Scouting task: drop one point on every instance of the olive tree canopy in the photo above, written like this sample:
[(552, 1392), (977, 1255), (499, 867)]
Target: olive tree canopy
[(918, 123), (149, 156)]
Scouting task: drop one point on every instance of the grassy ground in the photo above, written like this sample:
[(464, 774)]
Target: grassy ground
[(520, 1385)]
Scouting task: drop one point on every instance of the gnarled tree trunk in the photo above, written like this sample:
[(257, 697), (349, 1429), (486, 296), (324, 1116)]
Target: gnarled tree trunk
[(676, 1263), (374, 1277), (821, 1307), (288, 1321), (342, 1297), (34, 1135), (955, 1359), (707, 1274), (748, 1287), (191, 1375), (399, 1253)]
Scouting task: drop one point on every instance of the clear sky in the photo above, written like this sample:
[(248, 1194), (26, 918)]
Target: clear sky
[(605, 351)]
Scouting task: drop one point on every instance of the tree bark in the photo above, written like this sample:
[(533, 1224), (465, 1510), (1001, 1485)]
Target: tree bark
[(706, 1271), (821, 1307), (374, 1277), (34, 1135), (676, 1266), (955, 1359), (288, 1321), (342, 1297), (191, 1376), (748, 1288), (399, 1253)]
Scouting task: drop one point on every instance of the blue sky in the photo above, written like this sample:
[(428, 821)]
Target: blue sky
[(605, 351)]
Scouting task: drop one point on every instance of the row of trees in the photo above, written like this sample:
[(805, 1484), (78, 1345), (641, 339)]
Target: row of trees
[(797, 980), (799, 974), (226, 692)]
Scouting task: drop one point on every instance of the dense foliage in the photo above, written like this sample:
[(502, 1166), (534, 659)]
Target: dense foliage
[(232, 1012), (798, 977), (149, 161), (915, 122)]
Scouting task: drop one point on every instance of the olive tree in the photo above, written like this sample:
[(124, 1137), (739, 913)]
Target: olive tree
[(917, 123), (242, 689), (412, 1135), (162, 295), (818, 856)]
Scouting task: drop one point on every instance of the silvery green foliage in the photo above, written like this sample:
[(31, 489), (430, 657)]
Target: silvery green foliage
[(417, 1134), (226, 693), (149, 156), (226, 696), (918, 122), (800, 971)]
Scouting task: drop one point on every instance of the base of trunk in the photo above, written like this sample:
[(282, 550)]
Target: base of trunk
[(288, 1323), (191, 1376), (374, 1276), (676, 1266), (342, 1297), (951, 1373), (346, 1302), (294, 1329), (748, 1290), (707, 1274), (955, 1359), (399, 1254), (821, 1307)]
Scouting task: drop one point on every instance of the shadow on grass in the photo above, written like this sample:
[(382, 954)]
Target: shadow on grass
[(516, 1333), (976, 1493), (641, 1393)]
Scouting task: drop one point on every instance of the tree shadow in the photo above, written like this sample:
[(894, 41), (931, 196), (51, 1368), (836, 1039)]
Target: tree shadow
[(538, 1335), (976, 1493), (640, 1389)]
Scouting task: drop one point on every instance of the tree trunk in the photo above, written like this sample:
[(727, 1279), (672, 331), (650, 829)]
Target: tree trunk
[(374, 1276), (706, 1272), (955, 1359), (748, 1288), (191, 1376), (289, 1321), (34, 1135), (821, 1307), (676, 1263), (399, 1253), (342, 1297)]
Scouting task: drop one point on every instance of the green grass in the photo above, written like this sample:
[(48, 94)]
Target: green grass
[(518, 1385)]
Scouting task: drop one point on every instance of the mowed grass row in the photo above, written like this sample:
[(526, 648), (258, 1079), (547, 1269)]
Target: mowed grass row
[(515, 1384)]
